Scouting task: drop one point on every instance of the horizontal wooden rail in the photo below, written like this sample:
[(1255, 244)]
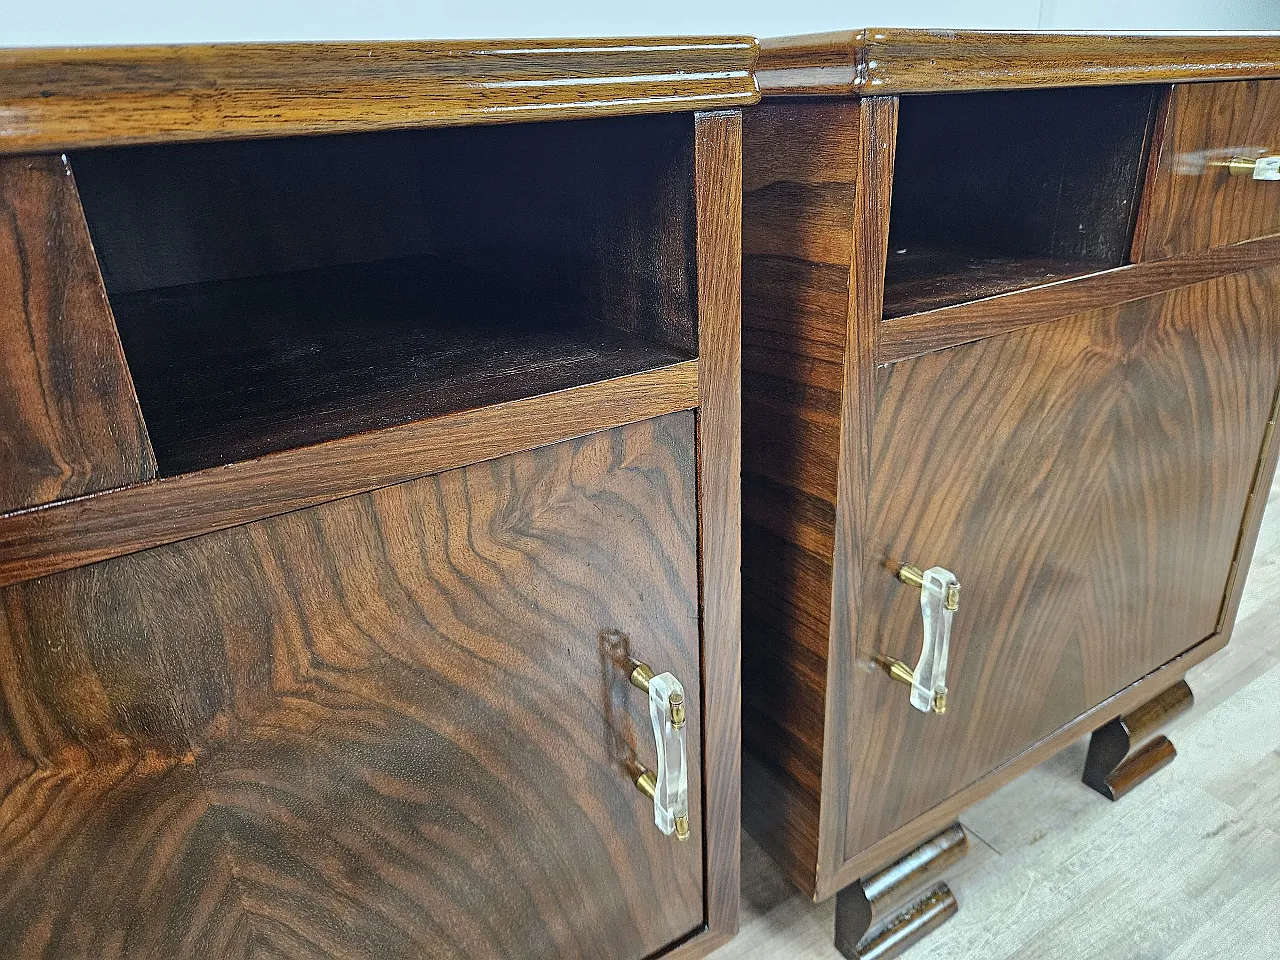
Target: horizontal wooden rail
[(920, 333), (71, 533)]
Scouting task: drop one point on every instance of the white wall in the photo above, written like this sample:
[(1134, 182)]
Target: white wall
[(1161, 14), (46, 22)]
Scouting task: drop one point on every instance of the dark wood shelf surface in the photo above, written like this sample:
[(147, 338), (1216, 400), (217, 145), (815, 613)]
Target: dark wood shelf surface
[(919, 278), (234, 369)]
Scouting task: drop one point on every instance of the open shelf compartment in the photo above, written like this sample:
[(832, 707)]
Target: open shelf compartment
[(279, 293), (1002, 190)]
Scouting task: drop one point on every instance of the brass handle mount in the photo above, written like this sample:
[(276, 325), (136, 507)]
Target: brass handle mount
[(1257, 168)]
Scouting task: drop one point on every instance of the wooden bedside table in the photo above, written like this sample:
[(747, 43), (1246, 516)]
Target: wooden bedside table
[(1010, 351), (370, 435)]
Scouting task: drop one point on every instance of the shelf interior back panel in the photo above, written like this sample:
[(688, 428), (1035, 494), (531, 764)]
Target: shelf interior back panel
[(229, 370), (1001, 190)]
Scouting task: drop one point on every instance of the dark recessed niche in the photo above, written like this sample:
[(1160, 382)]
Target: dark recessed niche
[(997, 191), (277, 293)]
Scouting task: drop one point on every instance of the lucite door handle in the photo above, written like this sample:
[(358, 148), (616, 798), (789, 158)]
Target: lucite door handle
[(1259, 168), (668, 785), (939, 600)]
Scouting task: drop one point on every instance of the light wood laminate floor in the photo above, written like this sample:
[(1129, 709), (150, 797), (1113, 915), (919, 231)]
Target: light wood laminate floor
[(1186, 866)]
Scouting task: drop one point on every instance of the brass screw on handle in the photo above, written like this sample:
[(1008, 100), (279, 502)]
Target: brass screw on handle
[(641, 674), (915, 577), (1240, 166), (676, 702), (911, 575), (900, 671), (1262, 167), (647, 782)]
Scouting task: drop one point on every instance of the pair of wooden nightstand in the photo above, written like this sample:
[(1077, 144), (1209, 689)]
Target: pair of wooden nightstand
[(370, 491)]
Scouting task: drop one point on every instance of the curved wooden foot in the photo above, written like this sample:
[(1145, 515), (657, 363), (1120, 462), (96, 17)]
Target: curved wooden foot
[(881, 915), (1126, 751)]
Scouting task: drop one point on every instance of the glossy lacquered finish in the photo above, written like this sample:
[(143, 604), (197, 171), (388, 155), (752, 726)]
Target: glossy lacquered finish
[(57, 99), (718, 182), (284, 304), (359, 728), (895, 60), (1083, 449), (1192, 202), (799, 211), (345, 672), (1089, 499)]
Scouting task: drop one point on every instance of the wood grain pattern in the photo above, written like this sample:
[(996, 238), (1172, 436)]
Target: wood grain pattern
[(1042, 635), (44, 540), (237, 369), (898, 842), (1030, 175), (817, 211), (894, 60), (1145, 762), (1189, 202), (923, 279), (934, 908), (59, 99), (71, 420), (909, 336), (1060, 848), (859, 410), (799, 182), (592, 219), (905, 838), (393, 725), (788, 230), (1264, 476), (718, 184), (1038, 185), (1126, 751)]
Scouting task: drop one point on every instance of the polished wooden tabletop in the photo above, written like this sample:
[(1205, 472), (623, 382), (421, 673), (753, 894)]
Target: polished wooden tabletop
[(898, 60), (64, 98)]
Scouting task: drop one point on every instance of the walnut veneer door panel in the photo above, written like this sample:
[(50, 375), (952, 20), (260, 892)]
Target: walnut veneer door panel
[(1085, 479), (1191, 201), (387, 726)]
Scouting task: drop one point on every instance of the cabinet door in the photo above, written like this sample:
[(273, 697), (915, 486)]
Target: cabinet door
[(396, 725), (1085, 480)]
